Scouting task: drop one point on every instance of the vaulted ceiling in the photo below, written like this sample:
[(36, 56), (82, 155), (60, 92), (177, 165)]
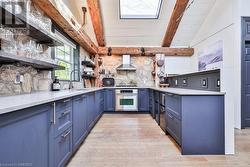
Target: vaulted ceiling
[(192, 21), (134, 32), (145, 32)]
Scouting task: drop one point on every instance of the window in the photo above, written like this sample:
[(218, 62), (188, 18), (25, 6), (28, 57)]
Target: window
[(64, 56), (68, 57), (140, 9)]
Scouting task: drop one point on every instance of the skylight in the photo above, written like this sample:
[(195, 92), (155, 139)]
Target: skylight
[(140, 9)]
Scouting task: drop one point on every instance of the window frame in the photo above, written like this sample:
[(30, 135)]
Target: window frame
[(140, 18), (75, 59)]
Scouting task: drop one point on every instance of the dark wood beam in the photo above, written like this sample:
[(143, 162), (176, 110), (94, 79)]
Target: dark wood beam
[(174, 22), (77, 34), (96, 17), (149, 51)]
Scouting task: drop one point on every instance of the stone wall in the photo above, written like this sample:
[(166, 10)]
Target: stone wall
[(142, 76), (33, 80)]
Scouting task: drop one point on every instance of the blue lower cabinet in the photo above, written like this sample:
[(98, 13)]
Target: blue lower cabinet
[(143, 99), (196, 123), (151, 102), (63, 115), (109, 100), (90, 110), (174, 127), (24, 137), (61, 136), (99, 103), (62, 148), (80, 129)]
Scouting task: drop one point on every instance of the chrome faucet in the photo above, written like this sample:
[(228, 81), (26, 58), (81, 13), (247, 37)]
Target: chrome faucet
[(70, 81)]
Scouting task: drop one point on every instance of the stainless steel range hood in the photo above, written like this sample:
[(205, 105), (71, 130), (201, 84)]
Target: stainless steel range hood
[(126, 64)]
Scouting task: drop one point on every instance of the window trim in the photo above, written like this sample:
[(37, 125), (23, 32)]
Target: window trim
[(75, 52), (141, 18)]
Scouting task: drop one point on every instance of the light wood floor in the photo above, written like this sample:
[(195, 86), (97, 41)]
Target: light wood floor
[(137, 141)]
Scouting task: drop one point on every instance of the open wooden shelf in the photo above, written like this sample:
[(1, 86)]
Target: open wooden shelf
[(88, 63), (6, 58), (38, 34), (88, 76)]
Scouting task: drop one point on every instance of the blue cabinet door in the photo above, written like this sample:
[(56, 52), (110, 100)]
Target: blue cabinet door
[(99, 103), (79, 120), (143, 100), (109, 100), (62, 148), (24, 137), (90, 110)]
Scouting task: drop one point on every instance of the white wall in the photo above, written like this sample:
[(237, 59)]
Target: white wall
[(177, 65), (219, 25)]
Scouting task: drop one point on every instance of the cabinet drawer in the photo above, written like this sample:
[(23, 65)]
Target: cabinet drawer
[(63, 116), (63, 104), (63, 148), (174, 127), (173, 104)]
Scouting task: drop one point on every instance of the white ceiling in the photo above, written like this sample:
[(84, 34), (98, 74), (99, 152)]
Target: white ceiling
[(134, 32), (144, 32), (192, 21)]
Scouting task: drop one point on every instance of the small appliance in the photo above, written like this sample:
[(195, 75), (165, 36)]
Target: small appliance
[(56, 86)]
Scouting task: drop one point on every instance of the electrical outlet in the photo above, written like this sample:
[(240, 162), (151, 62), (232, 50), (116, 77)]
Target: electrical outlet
[(19, 79)]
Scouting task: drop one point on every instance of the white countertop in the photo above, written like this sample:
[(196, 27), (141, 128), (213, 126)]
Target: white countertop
[(18, 102), (188, 92)]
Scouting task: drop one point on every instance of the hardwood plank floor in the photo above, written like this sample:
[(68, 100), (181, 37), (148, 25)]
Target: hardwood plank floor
[(135, 140)]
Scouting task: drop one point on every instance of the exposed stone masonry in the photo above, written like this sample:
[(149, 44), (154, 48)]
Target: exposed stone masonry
[(142, 76), (33, 80)]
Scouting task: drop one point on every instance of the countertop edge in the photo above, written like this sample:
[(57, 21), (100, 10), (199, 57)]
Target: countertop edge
[(49, 100), (54, 97)]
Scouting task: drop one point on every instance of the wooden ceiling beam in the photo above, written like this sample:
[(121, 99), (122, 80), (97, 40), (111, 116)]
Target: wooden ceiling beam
[(77, 34), (149, 51), (96, 17), (174, 22)]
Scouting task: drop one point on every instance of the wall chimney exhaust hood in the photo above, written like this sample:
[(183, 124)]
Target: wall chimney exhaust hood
[(126, 64)]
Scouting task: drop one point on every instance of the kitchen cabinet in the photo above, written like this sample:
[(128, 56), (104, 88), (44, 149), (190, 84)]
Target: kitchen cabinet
[(24, 136), (47, 134), (143, 99), (61, 140), (80, 130), (151, 103), (62, 148), (196, 123), (157, 106), (109, 100), (91, 110), (99, 102)]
